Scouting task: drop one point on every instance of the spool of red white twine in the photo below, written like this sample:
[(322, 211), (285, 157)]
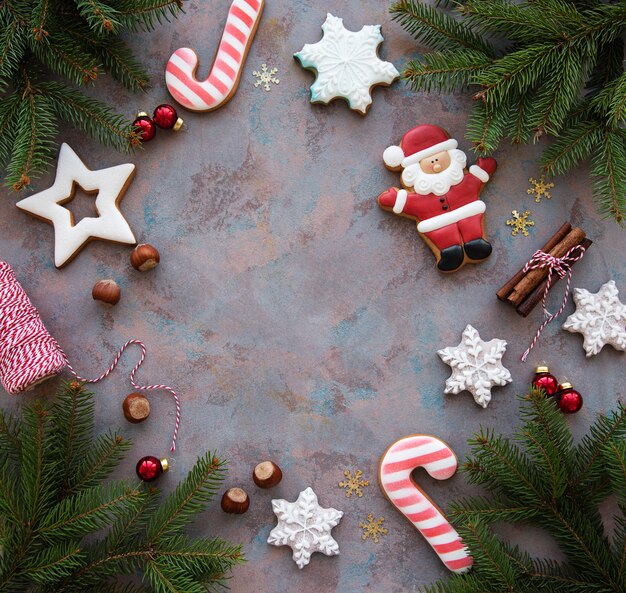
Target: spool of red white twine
[(30, 355)]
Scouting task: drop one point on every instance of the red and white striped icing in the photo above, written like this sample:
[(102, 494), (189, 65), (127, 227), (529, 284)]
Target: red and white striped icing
[(396, 465), (212, 93)]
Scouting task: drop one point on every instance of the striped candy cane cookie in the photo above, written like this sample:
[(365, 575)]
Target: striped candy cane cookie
[(221, 84), (396, 465)]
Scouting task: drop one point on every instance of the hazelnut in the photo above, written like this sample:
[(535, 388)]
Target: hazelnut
[(267, 474), (106, 291), (144, 257), (235, 501), (136, 408)]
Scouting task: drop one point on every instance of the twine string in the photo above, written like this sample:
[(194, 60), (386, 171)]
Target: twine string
[(29, 354), (557, 266)]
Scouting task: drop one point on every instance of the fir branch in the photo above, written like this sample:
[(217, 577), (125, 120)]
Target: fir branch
[(573, 146), (91, 116), (608, 168), (54, 563), (190, 497), (33, 147), (486, 126), (437, 29), (147, 14), (10, 440), (446, 71), (88, 511), (99, 16)]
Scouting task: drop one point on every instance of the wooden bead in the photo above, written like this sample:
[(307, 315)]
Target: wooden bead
[(136, 408), (267, 474), (235, 501)]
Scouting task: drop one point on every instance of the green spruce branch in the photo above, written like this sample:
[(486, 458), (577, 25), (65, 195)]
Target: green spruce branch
[(75, 41), (536, 68), (543, 478), (65, 527)]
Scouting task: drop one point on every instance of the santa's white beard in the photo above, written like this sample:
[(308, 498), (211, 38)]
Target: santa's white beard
[(436, 183)]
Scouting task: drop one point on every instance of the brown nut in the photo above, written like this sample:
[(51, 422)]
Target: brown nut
[(267, 474), (136, 408), (106, 291), (144, 257), (235, 501)]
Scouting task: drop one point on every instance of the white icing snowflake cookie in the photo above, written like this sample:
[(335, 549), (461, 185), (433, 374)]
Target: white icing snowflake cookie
[(347, 64), (599, 317), (110, 185), (476, 366), (305, 527)]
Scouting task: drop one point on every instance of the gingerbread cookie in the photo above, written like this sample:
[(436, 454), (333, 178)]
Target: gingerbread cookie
[(109, 186), (440, 194), (346, 64), (218, 88), (398, 485)]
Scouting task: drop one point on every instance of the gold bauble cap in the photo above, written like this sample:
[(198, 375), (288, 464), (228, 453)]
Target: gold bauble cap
[(164, 464)]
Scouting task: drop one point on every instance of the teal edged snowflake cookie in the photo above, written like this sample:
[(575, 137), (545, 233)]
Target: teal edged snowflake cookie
[(346, 64)]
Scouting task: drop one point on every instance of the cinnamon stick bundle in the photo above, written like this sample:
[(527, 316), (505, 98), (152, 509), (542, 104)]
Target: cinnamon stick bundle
[(536, 296), (525, 290)]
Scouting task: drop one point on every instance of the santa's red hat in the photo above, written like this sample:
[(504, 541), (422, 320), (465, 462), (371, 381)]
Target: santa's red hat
[(417, 144)]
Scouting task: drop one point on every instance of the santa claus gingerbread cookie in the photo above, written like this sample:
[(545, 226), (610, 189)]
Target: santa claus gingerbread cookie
[(440, 194)]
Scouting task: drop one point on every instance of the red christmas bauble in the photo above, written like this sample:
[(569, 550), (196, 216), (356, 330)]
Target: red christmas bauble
[(149, 468), (544, 380), (568, 399), (165, 116), (145, 127)]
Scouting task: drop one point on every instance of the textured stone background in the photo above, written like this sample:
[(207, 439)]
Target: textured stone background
[(297, 320)]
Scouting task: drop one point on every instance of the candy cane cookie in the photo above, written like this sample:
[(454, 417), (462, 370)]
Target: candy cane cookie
[(221, 84), (394, 475)]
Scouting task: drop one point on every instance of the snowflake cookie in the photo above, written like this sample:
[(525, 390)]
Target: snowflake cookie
[(305, 527), (599, 317), (109, 185), (347, 64), (476, 366)]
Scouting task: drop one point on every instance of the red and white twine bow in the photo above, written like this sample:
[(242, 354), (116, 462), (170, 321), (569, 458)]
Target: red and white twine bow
[(560, 266), (29, 354)]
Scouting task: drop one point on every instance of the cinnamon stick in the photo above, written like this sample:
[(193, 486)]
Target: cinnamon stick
[(534, 277), (535, 297), (506, 290)]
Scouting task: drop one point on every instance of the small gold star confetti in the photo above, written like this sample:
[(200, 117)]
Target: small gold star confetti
[(265, 76), (540, 189), (520, 222), (373, 528), (353, 483)]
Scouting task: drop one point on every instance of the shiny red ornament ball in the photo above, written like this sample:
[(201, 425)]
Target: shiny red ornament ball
[(149, 468), (544, 380), (568, 399), (145, 127), (165, 116)]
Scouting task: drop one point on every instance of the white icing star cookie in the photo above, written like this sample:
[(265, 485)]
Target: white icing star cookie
[(110, 185), (476, 366), (347, 64), (599, 317), (305, 527)]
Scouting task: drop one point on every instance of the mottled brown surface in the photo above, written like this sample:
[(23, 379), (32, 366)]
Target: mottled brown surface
[(298, 321)]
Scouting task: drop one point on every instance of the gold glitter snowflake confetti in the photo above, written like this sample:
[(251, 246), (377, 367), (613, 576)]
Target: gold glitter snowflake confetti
[(353, 483), (265, 77), (539, 189), (373, 528), (520, 222)]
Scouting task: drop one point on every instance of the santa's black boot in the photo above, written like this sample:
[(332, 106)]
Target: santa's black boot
[(451, 258), (478, 249)]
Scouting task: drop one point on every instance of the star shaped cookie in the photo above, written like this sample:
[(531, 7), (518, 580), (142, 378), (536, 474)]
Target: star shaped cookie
[(346, 64), (600, 317), (110, 185), (476, 366)]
